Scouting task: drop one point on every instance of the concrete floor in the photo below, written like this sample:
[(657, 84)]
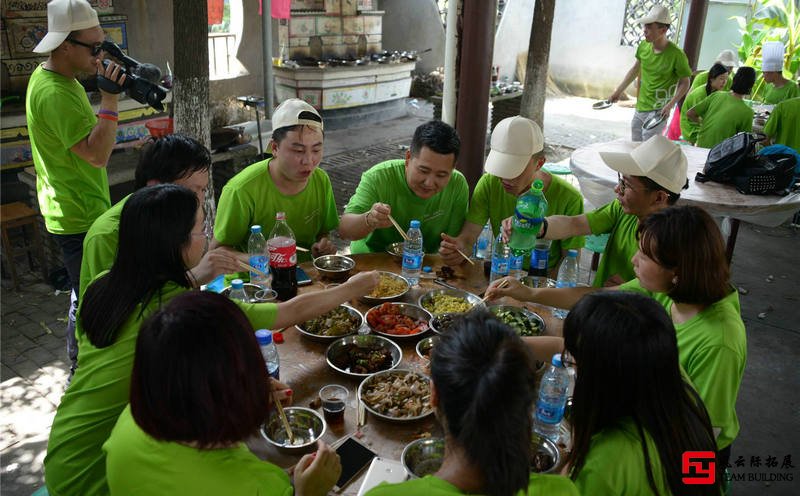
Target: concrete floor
[(32, 329)]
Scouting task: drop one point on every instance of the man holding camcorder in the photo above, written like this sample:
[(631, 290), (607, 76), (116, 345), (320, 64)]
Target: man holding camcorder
[(70, 144)]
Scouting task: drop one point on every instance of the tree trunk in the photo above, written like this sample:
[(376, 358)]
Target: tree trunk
[(535, 89)]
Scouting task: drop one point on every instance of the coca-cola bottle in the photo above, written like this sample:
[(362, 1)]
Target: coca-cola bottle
[(283, 258)]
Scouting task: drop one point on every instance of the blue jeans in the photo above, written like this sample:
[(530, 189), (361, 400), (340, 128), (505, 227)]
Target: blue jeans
[(72, 251)]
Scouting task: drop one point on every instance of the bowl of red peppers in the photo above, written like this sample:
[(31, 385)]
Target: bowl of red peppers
[(398, 320)]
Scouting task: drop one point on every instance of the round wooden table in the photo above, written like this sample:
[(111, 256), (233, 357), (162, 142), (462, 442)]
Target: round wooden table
[(304, 368)]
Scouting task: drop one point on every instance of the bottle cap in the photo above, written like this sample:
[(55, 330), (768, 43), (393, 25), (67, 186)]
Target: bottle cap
[(537, 185), (557, 360), (572, 253), (237, 284), (264, 337), (255, 229), (415, 224), (280, 216), (427, 268)]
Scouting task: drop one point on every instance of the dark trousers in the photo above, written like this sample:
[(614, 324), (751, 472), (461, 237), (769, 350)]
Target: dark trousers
[(72, 250)]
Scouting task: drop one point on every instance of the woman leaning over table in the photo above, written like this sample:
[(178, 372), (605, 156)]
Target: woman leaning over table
[(681, 264), (197, 392), (160, 237), (717, 77), (483, 390), (629, 436)]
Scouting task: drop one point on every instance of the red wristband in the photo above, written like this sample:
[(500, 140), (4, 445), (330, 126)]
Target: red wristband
[(108, 117)]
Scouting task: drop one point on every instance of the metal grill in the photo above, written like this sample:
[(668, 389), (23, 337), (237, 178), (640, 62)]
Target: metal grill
[(632, 33)]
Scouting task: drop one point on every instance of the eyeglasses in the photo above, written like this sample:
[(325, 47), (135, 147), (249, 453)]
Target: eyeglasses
[(624, 185), (94, 49)]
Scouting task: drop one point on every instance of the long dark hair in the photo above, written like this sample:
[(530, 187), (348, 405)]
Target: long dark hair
[(626, 351), (170, 158), (716, 70), (198, 375), (155, 225), (484, 377)]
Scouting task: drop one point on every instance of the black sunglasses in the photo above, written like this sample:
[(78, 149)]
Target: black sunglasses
[(94, 49)]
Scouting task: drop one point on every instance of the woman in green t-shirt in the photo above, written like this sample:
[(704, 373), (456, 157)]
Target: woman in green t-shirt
[(629, 436), (717, 77), (197, 393)]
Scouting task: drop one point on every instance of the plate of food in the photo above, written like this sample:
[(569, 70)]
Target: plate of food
[(448, 301), (342, 321), (399, 395), (398, 320), (363, 355), (391, 287), (522, 320)]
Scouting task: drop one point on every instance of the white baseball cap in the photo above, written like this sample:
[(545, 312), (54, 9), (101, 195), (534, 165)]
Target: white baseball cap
[(63, 17), (658, 13), (728, 58), (288, 114), (514, 141), (658, 159), (772, 56)]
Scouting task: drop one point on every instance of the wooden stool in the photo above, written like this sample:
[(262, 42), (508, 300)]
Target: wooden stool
[(17, 214)]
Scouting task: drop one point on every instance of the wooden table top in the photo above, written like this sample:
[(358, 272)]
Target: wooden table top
[(304, 368)]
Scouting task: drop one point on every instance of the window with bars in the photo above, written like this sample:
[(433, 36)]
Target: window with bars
[(632, 33)]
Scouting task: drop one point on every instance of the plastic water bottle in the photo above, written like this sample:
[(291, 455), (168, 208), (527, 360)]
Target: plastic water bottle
[(237, 291), (501, 259), (259, 257), (567, 278), (269, 352), (552, 400), (413, 253), (540, 258), (515, 263), (527, 220), (483, 247)]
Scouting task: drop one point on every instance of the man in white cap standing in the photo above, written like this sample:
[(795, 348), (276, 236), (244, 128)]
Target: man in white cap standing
[(664, 73), (514, 163), (70, 144), (779, 88)]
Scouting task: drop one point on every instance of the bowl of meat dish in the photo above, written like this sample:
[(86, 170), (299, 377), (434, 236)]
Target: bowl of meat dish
[(307, 427), (398, 320), (443, 321), (522, 320), (545, 457), (334, 268), (423, 457), (342, 321), (425, 346), (399, 395), (448, 301), (395, 250), (391, 287), (363, 355)]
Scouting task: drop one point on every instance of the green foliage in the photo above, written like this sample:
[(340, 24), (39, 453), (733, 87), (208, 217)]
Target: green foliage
[(770, 20)]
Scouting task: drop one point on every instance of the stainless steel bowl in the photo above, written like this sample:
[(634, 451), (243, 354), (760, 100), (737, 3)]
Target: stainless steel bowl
[(425, 346), (327, 339), (385, 375), (543, 449), (337, 353), (396, 250), (413, 311), (249, 289), (307, 426), (427, 299), (378, 300), (334, 267), (423, 457), (538, 282), (443, 321), (522, 312)]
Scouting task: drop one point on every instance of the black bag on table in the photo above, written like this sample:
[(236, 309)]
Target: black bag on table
[(727, 158), (766, 174)]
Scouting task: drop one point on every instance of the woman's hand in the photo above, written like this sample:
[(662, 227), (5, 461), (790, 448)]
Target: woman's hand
[(512, 288), (280, 390), (363, 283), (315, 474)]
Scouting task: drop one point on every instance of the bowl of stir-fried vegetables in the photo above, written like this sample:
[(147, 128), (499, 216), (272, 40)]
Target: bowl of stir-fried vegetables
[(363, 355), (522, 320), (342, 321), (398, 320)]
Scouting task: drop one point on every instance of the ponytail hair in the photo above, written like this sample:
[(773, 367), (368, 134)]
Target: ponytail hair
[(484, 378), (716, 70)]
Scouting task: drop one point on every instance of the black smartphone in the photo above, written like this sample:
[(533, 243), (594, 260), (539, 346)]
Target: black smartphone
[(354, 457), (302, 277)]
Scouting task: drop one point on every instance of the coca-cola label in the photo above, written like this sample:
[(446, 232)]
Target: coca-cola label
[(283, 257)]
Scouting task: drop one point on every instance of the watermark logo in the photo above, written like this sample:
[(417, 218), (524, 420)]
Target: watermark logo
[(699, 467)]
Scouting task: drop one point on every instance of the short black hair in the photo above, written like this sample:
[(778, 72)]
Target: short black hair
[(279, 134), (743, 80), (169, 158), (439, 136), (672, 198)]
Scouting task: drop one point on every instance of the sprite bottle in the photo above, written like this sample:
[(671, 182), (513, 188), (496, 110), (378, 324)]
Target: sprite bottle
[(528, 214)]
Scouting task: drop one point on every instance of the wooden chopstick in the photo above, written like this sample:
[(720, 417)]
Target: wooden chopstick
[(250, 267), (399, 229), (282, 415), (501, 285), (465, 256), (300, 248)]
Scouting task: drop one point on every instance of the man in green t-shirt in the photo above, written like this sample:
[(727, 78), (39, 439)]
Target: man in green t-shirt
[(664, 72), (515, 161), (291, 182), (425, 186), (69, 144), (724, 113), (783, 125), (778, 88)]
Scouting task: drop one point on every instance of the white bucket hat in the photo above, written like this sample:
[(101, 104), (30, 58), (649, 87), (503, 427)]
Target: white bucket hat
[(728, 58), (514, 141), (63, 17), (772, 56), (658, 159), (658, 13), (288, 114)]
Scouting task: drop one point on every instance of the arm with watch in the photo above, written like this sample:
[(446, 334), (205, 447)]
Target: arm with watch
[(557, 227)]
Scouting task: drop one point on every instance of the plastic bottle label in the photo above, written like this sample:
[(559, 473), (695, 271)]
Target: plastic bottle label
[(283, 257), (565, 284), (412, 261), (261, 263), (500, 266), (549, 412), (526, 222), (516, 262)]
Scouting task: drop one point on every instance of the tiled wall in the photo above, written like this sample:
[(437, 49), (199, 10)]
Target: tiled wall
[(339, 34)]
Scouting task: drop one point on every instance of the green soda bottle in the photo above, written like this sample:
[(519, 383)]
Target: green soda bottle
[(528, 215)]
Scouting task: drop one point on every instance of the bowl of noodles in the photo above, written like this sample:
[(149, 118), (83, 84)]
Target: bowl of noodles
[(391, 287)]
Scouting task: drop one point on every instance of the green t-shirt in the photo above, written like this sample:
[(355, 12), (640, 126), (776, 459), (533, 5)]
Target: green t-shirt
[(688, 128), (783, 125), (491, 201), (75, 463), (72, 193), (251, 198), (702, 78), (444, 212), (774, 95), (659, 73), (615, 464), (723, 115), (540, 484), (622, 243), (100, 244), (712, 349), (138, 464)]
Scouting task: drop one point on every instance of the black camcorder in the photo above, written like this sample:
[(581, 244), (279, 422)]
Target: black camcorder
[(141, 81)]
